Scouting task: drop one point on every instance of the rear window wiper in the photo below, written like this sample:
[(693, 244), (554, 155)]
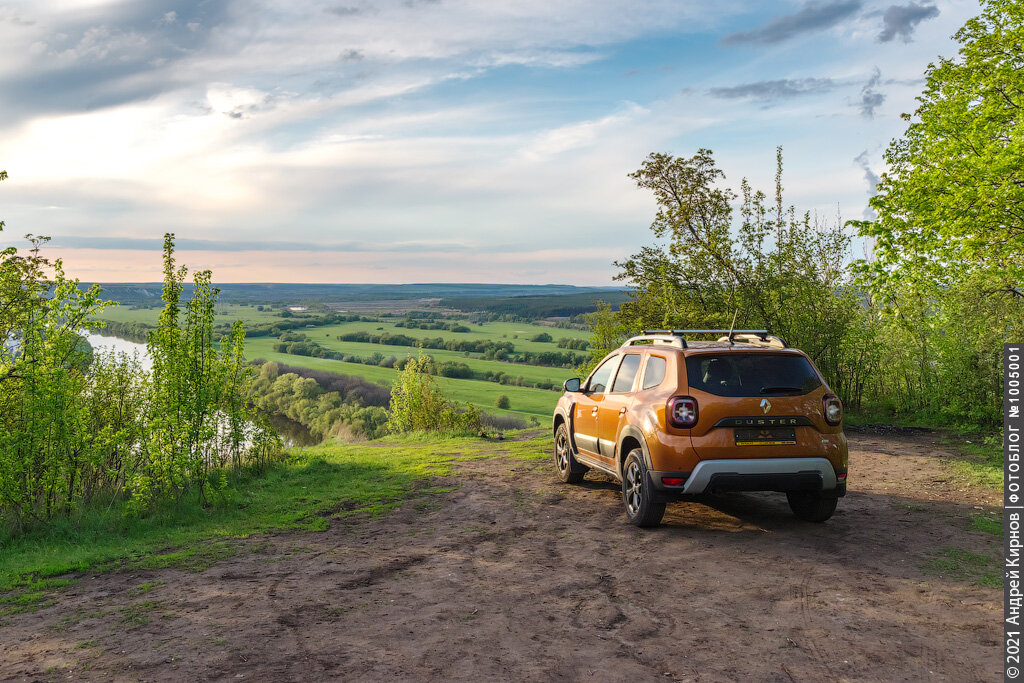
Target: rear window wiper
[(775, 390)]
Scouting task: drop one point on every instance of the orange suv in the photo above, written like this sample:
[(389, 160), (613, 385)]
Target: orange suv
[(669, 417)]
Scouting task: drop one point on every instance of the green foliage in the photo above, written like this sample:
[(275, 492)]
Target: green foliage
[(533, 307), (948, 256), (417, 405), (54, 442), (543, 337), (79, 429), (324, 413), (608, 331), (772, 268), (950, 202), (198, 414), (568, 343), (503, 402)]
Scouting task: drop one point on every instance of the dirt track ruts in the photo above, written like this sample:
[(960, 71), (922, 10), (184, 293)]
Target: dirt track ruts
[(514, 576)]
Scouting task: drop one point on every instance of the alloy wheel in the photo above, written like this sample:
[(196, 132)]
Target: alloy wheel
[(562, 452), (634, 487)]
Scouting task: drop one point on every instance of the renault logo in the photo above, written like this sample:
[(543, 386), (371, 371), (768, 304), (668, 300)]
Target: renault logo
[(765, 406)]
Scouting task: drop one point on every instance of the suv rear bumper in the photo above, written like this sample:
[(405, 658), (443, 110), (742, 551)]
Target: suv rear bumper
[(761, 474)]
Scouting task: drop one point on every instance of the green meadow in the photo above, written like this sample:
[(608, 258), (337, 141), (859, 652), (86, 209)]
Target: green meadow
[(526, 402), (226, 313)]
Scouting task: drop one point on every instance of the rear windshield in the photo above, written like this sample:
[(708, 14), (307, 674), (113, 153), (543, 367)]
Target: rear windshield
[(754, 374)]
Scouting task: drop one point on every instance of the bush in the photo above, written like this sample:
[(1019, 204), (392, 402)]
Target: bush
[(542, 337), (503, 402), (417, 405)]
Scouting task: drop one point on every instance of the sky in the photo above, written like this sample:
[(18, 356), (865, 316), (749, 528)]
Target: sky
[(431, 140)]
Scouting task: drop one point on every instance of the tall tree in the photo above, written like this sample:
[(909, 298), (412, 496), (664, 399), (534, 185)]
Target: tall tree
[(769, 266), (952, 200)]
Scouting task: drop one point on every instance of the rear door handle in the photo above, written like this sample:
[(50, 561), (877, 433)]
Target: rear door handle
[(594, 411), (622, 411)]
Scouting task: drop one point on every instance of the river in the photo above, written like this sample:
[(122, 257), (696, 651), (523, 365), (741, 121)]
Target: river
[(102, 343), (293, 433)]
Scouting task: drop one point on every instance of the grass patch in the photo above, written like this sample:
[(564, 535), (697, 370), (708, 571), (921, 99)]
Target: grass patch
[(31, 596), (299, 493), (983, 464), (525, 401), (138, 613), (144, 588), (988, 525), (963, 565)]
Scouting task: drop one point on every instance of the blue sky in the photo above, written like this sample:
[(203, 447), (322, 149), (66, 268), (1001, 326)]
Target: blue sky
[(430, 140)]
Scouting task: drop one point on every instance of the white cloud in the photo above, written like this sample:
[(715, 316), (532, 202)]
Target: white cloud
[(259, 131)]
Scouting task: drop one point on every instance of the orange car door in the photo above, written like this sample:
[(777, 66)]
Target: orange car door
[(611, 412), (588, 405)]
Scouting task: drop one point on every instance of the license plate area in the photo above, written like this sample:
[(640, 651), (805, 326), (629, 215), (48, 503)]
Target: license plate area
[(765, 437)]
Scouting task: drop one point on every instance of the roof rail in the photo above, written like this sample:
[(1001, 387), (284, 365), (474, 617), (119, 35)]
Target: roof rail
[(677, 338), (757, 340), (655, 338)]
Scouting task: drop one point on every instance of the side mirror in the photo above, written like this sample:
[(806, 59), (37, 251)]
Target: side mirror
[(572, 385)]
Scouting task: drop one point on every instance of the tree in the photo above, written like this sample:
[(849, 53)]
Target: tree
[(199, 408), (418, 405), (952, 200), (773, 268), (503, 402), (948, 266)]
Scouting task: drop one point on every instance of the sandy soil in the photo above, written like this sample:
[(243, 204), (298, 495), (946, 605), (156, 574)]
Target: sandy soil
[(515, 576)]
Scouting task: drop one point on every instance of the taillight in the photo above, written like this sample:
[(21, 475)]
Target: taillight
[(682, 412), (833, 409)]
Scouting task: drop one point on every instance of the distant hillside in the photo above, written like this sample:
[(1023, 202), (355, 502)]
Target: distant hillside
[(148, 293)]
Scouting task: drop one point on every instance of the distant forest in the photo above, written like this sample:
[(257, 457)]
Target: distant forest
[(148, 294), (538, 306)]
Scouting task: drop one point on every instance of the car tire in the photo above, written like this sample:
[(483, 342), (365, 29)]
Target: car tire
[(569, 471), (812, 506), (643, 506)]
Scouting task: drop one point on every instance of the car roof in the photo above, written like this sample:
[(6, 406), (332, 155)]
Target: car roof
[(729, 341), (697, 347)]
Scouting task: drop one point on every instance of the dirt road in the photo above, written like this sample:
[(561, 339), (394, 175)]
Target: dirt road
[(514, 576)]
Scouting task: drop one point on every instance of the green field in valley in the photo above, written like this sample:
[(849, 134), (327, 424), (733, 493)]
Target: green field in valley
[(226, 313), (524, 401), (531, 373)]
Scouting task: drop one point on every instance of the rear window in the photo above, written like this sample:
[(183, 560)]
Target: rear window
[(754, 374), (655, 373)]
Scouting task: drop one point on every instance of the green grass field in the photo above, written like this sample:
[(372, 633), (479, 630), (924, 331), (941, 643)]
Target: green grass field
[(226, 313), (517, 333), (532, 373), (525, 402), (302, 492)]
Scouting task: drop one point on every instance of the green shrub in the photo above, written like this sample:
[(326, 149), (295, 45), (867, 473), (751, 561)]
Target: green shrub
[(417, 405)]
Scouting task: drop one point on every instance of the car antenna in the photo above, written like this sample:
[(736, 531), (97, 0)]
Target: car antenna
[(733, 326)]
